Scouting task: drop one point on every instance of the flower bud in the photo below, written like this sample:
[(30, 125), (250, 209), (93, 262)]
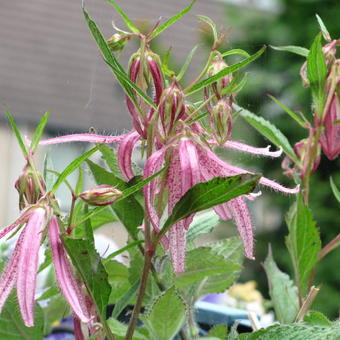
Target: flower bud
[(171, 107), (146, 73), (301, 151), (221, 121), (28, 187), (117, 42), (101, 195)]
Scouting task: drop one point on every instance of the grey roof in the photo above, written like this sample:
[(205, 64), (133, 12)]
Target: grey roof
[(49, 61)]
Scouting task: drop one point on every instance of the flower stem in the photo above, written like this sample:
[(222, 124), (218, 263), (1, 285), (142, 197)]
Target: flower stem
[(329, 247)]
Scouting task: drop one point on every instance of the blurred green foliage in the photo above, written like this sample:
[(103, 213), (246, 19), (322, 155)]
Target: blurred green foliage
[(277, 73)]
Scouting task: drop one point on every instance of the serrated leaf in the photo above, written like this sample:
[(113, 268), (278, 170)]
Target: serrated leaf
[(171, 21), (282, 291), (296, 332), (293, 49), (205, 195), (336, 191), (166, 316), (316, 74), (39, 131), (268, 130), (11, 325), (323, 28), (316, 319), (202, 262), (126, 19), (212, 25), (88, 263), (303, 242), (16, 132), (202, 224), (186, 63), (289, 111), (227, 70), (71, 167), (219, 332)]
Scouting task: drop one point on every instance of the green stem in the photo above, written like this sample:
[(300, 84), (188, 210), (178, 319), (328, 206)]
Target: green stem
[(329, 247)]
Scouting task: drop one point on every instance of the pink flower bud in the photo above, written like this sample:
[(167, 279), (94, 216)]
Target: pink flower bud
[(146, 73), (29, 188), (171, 107), (101, 195), (330, 137)]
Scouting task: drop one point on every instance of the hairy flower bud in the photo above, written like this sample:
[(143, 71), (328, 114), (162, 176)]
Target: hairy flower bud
[(145, 72), (29, 188), (221, 121), (101, 195), (171, 107)]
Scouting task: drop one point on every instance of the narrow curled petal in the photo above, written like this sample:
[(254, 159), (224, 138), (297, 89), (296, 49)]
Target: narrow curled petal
[(9, 275), (189, 169), (28, 265), (250, 149), (124, 154), (66, 280), (253, 195), (223, 212), (241, 215), (83, 137), (177, 239), (20, 220)]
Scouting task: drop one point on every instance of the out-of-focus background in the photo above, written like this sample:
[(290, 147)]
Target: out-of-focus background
[(49, 62)]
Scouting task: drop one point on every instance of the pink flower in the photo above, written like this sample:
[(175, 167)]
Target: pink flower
[(21, 269), (191, 163)]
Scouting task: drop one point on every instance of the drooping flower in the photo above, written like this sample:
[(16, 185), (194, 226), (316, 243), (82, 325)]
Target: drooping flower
[(191, 163), (21, 269)]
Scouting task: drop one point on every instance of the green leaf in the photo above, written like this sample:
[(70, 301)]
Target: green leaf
[(316, 319), (186, 63), (127, 21), (296, 332), (16, 132), (289, 111), (39, 131), (208, 21), (121, 250), (219, 332), (110, 159), (236, 84), (121, 76), (171, 21), (11, 325), (232, 251), (118, 279), (316, 74), (293, 49), (227, 70), (105, 216), (125, 300), (206, 195), (323, 28), (282, 291), (236, 51), (120, 329), (166, 316), (80, 181), (49, 176), (268, 130), (128, 210), (303, 242), (201, 263), (72, 166), (335, 190), (88, 263), (202, 224)]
